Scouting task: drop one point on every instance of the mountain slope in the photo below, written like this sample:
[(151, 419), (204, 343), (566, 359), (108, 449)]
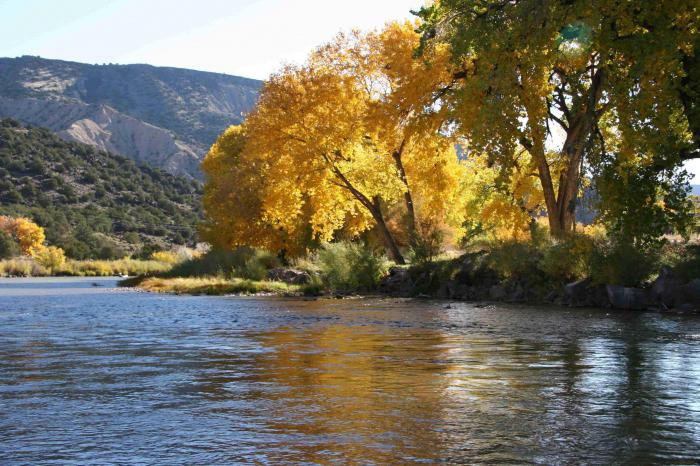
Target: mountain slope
[(91, 203), (167, 117)]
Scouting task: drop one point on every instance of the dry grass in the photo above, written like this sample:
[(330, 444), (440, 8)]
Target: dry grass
[(28, 267), (214, 286)]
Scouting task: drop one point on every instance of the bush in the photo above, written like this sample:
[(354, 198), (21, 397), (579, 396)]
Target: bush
[(427, 244), (513, 259), (568, 259), (8, 246), (620, 263), (22, 267), (349, 266), (166, 257), (242, 262), (51, 258)]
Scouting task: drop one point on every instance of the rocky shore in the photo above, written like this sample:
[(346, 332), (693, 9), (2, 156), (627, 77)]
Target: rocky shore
[(669, 292)]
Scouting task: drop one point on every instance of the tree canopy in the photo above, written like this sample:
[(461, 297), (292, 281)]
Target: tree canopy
[(593, 79)]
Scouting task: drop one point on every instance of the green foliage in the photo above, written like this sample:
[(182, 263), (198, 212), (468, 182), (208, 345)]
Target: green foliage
[(640, 205), (93, 204), (621, 263), (514, 259), (554, 260), (243, 262), (427, 244), (349, 266), (567, 259), (8, 246)]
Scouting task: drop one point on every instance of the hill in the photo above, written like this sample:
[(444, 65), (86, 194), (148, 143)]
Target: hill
[(93, 204), (166, 117)]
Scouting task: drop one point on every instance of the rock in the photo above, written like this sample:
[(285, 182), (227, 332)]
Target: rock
[(497, 292), (628, 298), (688, 294), (665, 288), (398, 282), (686, 308), (290, 276), (578, 292)]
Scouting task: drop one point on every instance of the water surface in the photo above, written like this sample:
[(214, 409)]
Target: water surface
[(90, 374)]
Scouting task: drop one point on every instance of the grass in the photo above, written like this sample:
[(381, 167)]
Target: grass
[(28, 267), (216, 286)]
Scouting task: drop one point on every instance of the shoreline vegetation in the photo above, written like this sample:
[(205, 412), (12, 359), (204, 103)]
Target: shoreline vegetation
[(622, 281)]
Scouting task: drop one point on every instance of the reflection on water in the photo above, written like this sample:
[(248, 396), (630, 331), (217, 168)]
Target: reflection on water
[(89, 374)]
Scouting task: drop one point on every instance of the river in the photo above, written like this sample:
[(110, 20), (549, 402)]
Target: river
[(91, 374)]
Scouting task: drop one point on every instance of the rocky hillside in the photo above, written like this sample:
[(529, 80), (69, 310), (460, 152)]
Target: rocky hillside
[(91, 203), (167, 117)]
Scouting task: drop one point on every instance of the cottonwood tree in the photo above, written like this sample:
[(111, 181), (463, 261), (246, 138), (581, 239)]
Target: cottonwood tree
[(606, 76), (334, 144)]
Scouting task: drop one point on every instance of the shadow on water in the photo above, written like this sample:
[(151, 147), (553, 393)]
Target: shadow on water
[(129, 377)]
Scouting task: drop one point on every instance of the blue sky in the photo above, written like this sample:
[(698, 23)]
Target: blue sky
[(242, 37), (250, 38)]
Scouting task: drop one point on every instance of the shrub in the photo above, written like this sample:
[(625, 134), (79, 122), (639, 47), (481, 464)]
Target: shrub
[(166, 257), (8, 246), (51, 257), (621, 263), (242, 262), (568, 259), (427, 244), (513, 258), (22, 267), (349, 266)]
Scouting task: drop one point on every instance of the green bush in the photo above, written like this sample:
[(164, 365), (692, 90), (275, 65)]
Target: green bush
[(8, 246), (241, 262), (514, 259), (349, 266), (620, 263), (568, 259)]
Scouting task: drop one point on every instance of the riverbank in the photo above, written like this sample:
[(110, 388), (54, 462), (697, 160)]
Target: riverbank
[(217, 286), (467, 278)]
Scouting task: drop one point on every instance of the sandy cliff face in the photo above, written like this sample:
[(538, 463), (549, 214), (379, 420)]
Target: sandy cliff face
[(107, 129), (166, 117)]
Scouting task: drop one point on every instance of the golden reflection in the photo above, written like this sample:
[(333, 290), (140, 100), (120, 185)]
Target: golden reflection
[(357, 393)]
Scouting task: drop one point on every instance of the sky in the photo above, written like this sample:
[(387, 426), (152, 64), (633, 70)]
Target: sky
[(250, 38)]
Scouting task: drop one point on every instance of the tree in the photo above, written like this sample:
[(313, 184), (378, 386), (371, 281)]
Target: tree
[(28, 234), (341, 140), (534, 73)]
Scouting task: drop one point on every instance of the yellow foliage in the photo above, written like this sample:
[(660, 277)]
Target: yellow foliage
[(50, 257), (166, 257), (28, 234), (334, 145), (503, 201)]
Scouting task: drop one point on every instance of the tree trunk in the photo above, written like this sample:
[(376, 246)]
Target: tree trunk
[(561, 206), (408, 198), (374, 208), (388, 238)]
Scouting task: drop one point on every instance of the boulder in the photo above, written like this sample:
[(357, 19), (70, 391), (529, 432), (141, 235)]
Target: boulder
[(665, 288), (290, 276), (497, 292), (578, 292), (628, 298), (584, 293), (398, 281), (687, 296)]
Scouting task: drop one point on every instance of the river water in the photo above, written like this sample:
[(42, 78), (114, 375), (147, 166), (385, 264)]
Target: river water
[(90, 374)]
